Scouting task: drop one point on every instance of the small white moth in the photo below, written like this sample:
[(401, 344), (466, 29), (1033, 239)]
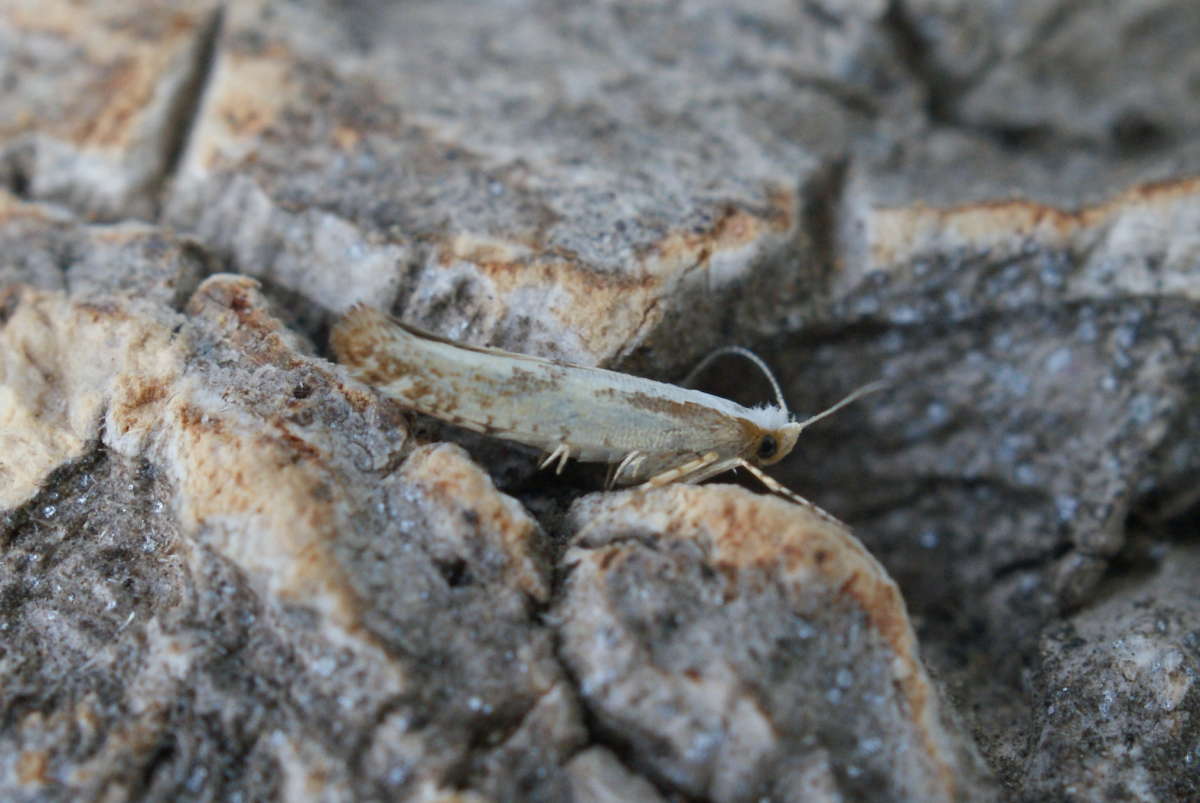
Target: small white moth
[(646, 431)]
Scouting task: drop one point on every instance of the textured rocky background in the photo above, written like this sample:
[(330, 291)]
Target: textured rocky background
[(227, 571)]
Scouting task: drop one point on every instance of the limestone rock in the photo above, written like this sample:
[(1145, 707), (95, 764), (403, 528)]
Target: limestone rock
[(1117, 704), (102, 92), (741, 648), (300, 578), (229, 570), (598, 777), (565, 213)]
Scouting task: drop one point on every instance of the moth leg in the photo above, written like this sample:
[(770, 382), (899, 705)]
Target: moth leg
[(684, 471), (779, 488), (562, 460), (628, 463), (549, 458), (561, 453), (708, 465), (635, 465)]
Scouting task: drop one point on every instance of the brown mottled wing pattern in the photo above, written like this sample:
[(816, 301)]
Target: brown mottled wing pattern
[(601, 415)]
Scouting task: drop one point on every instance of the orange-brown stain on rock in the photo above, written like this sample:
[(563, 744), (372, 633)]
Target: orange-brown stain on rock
[(155, 28), (545, 269), (493, 256), (793, 556), (17, 211), (298, 448), (144, 394), (255, 92), (345, 138), (732, 228), (782, 210), (141, 395), (108, 115), (358, 400), (100, 310), (198, 420), (900, 230), (607, 558), (447, 476), (32, 766), (848, 587)]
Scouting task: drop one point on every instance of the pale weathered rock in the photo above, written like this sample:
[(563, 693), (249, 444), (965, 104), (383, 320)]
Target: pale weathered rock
[(565, 211), (727, 641), (47, 247), (104, 91), (229, 571), (597, 777), (1117, 709), (67, 370), (1075, 70), (309, 574)]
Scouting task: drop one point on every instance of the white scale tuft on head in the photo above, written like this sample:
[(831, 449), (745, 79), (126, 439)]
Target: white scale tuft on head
[(764, 416), (768, 417)]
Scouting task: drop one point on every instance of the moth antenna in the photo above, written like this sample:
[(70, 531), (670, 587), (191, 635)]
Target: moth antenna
[(853, 396), (741, 352)]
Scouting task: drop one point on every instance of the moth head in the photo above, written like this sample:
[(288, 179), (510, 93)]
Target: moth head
[(775, 434), (775, 444)]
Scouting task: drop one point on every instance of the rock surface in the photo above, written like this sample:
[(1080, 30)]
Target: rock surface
[(229, 571), (744, 648)]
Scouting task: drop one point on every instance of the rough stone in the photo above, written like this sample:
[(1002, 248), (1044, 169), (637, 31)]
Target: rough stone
[(1116, 705), (566, 214), (101, 95), (730, 644), (66, 371), (227, 570), (47, 247), (598, 777), (305, 609)]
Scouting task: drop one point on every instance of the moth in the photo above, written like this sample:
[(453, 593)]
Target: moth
[(646, 431)]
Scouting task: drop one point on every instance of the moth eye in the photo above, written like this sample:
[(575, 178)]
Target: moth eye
[(767, 447)]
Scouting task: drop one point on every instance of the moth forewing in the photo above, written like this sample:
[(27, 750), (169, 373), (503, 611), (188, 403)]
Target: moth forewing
[(646, 430)]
